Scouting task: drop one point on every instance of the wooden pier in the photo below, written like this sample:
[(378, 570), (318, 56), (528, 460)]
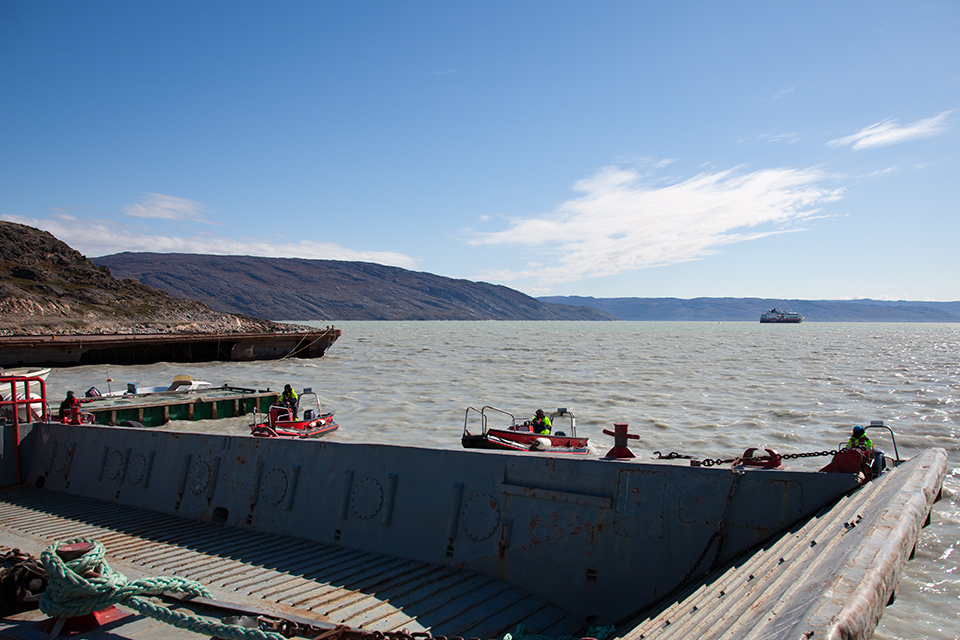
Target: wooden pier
[(68, 350)]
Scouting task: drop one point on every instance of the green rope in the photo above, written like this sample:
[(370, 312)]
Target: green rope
[(87, 584), (599, 633)]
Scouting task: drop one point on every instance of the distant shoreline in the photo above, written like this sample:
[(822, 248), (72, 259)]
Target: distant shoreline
[(750, 309)]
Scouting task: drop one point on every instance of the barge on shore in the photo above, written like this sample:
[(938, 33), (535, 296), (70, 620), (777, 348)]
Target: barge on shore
[(69, 350), (359, 540)]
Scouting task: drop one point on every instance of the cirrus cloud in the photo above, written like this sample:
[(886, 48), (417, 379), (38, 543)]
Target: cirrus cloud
[(158, 205), (890, 132), (621, 223), (100, 237)]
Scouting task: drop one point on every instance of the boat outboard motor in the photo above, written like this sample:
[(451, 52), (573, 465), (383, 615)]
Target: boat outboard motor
[(92, 392)]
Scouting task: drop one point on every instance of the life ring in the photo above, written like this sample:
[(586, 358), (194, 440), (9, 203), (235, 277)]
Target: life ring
[(772, 460)]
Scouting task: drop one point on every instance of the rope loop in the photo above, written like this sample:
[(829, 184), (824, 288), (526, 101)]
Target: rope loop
[(87, 584)]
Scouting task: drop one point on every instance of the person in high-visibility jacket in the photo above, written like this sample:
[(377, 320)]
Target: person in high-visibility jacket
[(541, 423), (859, 440), (875, 457), (289, 399)]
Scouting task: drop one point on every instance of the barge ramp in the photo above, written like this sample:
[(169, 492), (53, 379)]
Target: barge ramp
[(70, 350), (386, 538), (827, 579)]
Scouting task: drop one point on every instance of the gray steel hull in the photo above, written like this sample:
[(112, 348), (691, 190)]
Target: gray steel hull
[(601, 539)]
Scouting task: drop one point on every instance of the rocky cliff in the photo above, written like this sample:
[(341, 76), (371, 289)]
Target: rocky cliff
[(46, 287)]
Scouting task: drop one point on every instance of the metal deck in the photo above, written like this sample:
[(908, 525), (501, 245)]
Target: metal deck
[(283, 574)]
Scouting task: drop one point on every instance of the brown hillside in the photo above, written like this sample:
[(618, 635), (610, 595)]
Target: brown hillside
[(321, 290), (46, 287)]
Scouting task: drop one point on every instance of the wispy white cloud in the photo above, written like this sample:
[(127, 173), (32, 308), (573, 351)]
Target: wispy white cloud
[(645, 163), (890, 132), (157, 205), (621, 223), (99, 237), (787, 138), (780, 94)]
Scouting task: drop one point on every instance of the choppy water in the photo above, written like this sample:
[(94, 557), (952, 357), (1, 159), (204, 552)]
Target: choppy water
[(709, 390)]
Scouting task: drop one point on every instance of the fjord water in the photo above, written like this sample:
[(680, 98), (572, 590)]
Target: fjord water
[(709, 390)]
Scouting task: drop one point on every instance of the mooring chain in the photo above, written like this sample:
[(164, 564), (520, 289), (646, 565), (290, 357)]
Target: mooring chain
[(710, 462), (812, 454), (673, 455)]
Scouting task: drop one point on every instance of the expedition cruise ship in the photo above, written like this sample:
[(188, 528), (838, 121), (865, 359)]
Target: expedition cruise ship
[(778, 315)]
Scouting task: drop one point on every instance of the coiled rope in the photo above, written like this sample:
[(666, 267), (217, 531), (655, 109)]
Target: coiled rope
[(87, 584)]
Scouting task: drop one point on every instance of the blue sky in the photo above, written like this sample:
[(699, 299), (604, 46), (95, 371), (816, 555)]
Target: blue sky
[(610, 149)]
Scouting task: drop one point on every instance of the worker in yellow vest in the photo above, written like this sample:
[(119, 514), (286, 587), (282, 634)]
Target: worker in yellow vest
[(541, 423), (859, 440)]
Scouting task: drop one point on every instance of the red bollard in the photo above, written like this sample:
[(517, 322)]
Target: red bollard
[(68, 552), (79, 624), (620, 437)]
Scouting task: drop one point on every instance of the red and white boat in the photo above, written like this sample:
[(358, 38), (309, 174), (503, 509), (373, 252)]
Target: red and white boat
[(521, 436), (23, 395), (306, 421)]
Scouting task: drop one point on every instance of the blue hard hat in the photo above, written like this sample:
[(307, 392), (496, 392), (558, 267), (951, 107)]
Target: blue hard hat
[(858, 430)]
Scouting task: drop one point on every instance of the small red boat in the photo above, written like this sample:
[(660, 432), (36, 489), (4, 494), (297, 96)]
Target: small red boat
[(521, 436), (304, 421)]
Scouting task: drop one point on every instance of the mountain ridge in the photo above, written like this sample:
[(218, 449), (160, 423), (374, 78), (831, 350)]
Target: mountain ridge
[(341, 290), (48, 287), (301, 289)]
